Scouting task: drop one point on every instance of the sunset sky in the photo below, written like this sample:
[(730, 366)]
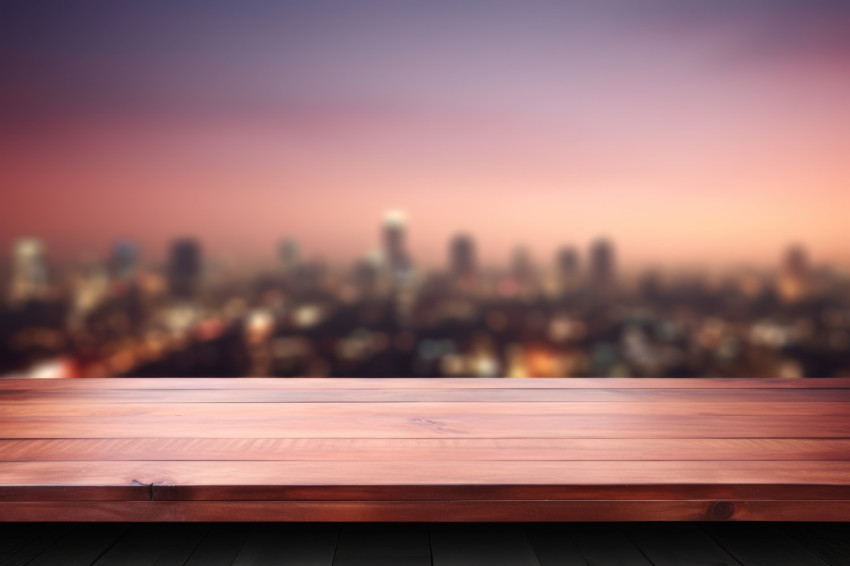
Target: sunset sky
[(709, 131)]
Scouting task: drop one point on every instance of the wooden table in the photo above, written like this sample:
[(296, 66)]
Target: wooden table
[(424, 450)]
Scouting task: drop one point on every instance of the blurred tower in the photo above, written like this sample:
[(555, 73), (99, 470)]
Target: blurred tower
[(794, 278), (522, 269), (566, 268), (651, 285), (90, 288), (124, 261), (796, 263), (394, 236), (366, 274), (289, 255), (310, 278), (602, 269), (29, 270), (462, 260), (184, 268)]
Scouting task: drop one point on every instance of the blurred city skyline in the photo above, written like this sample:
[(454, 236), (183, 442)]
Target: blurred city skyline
[(710, 133), (270, 256), (384, 315), (434, 188)]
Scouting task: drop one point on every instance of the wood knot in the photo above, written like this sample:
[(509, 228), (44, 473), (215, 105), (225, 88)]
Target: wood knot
[(721, 510)]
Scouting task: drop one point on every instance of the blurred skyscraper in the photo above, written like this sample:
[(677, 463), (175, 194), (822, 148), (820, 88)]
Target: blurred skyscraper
[(395, 245), (522, 269), (463, 264), (289, 255), (602, 268), (124, 261), (29, 270), (367, 274), (566, 268), (184, 268), (794, 279), (796, 262), (90, 289)]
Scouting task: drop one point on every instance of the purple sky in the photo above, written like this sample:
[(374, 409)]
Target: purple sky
[(688, 132)]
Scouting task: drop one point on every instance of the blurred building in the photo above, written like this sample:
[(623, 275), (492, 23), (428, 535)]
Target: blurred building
[(124, 260), (29, 271), (796, 262), (650, 286), (310, 278), (602, 267), (795, 276), (89, 290), (463, 265), (184, 268), (368, 321), (396, 255), (366, 276), (567, 268), (289, 255), (522, 270)]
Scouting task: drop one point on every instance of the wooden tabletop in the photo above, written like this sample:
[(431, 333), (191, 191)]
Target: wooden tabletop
[(424, 450)]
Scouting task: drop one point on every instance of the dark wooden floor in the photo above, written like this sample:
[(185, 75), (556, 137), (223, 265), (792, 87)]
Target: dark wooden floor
[(424, 450), (412, 544)]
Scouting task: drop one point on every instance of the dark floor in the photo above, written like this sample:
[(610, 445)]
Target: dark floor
[(660, 544)]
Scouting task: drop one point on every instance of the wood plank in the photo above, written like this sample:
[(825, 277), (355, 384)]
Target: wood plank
[(720, 495), (266, 383), (174, 474), (395, 395), (424, 449), (690, 408), (603, 425), (363, 449), (677, 545), (305, 545), (422, 511), (477, 545), (761, 545)]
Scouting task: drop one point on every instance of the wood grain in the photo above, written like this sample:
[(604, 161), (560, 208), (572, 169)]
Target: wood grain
[(688, 408), (419, 511), (603, 425), (300, 473), (401, 395), (424, 450)]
